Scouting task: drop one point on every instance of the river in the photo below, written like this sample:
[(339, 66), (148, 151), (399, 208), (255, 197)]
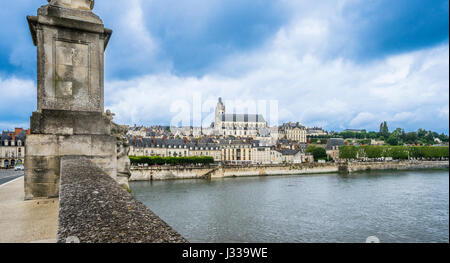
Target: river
[(394, 206)]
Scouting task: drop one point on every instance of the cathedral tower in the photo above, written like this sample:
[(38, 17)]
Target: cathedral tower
[(220, 111)]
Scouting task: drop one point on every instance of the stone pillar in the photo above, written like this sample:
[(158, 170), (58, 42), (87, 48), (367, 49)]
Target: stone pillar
[(69, 120)]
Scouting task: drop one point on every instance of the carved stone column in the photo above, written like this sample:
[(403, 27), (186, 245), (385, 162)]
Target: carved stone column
[(69, 120)]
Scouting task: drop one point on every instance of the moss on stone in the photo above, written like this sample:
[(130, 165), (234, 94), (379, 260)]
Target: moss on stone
[(126, 188)]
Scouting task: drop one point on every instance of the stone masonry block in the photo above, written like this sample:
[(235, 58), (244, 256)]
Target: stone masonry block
[(75, 145), (41, 145), (103, 145)]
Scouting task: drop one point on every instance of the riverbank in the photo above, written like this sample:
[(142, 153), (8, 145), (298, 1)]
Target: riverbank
[(180, 172)]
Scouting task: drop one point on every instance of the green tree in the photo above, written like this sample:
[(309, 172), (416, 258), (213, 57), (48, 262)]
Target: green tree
[(319, 153), (443, 137), (372, 135), (392, 140), (348, 152), (421, 133), (384, 130), (310, 148), (411, 138), (399, 132), (373, 151)]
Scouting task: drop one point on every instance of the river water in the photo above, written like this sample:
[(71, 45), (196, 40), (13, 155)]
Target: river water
[(407, 206)]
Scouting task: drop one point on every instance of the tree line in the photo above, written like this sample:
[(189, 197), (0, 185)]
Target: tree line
[(396, 137), (394, 152)]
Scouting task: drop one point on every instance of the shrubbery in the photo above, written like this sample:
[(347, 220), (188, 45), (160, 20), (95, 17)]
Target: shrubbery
[(158, 160), (396, 152)]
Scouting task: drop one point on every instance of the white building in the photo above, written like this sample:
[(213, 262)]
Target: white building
[(239, 125), (12, 148), (316, 131), (293, 131)]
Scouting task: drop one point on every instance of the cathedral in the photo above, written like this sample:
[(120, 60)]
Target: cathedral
[(238, 125)]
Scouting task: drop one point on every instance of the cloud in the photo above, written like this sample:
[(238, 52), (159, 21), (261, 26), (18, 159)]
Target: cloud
[(403, 89), (384, 27), (364, 118), (337, 64), (18, 102), (186, 36), (443, 112)]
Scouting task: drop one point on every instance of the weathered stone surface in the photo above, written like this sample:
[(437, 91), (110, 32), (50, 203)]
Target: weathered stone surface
[(42, 166), (63, 122), (41, 145), (171, 173), (43, 153), (71, 43), (95, 209), (77, 4), (396, 165), (123, 150), (70, 119)]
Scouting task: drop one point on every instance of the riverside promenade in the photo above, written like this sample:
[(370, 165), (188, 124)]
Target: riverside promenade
[(26, 221)]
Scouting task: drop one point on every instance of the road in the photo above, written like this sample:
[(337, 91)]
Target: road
[(9, 175)]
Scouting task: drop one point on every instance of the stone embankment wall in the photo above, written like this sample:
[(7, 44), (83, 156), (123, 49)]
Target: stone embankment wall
[(170, 173), (233, 171), (402, 165), (93, 208)]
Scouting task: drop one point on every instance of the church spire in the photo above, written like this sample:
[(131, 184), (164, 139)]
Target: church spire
[(220, 111)]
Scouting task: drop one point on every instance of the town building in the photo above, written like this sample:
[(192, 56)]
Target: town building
[(276, 157), (173, 148), (12, 148), (355, 130), (140, 131), (188, 131), (292, 156), (315, 131), (157, 147), (206, 149), (332, 147), (376, 142), (261, 153), (229, 150), (236, 151), (293, 131)]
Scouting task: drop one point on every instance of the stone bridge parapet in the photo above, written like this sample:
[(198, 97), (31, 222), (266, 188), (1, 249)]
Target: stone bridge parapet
[(94, 208)]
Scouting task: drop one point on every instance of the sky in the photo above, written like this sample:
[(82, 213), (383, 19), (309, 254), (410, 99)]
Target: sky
[(337, 64)]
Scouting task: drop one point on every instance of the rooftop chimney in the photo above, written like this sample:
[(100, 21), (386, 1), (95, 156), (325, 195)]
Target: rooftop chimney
[(17, 131)]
